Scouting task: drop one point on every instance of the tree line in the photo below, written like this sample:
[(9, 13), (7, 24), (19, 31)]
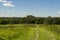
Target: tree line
[(30, 19)]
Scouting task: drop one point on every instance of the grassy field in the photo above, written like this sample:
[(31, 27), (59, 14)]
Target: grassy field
[(29, 32)]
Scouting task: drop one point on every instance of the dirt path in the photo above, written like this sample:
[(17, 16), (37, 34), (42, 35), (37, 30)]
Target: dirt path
[(37, 32), (50, 34), (43, 30)]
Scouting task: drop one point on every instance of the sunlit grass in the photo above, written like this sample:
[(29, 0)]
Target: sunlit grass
[(28, 32)]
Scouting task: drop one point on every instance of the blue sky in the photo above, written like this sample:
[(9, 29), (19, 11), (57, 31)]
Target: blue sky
[(21, 8)]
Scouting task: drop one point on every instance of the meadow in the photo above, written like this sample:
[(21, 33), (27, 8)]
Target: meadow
[(29, 32)]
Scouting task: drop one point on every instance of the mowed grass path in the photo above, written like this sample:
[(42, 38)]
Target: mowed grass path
[(29, 32)]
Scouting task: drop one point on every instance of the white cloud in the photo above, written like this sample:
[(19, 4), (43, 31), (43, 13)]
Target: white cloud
[(3, 0), (8, 5)]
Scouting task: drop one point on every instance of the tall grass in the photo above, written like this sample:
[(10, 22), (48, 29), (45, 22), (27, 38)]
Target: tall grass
[(28, 32)]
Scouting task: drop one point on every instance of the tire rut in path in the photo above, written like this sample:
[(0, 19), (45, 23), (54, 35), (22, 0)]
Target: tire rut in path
[(43, 30), (37, 32)]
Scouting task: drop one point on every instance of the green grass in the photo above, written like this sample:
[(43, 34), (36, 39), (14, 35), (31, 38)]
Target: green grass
[(29, 32)]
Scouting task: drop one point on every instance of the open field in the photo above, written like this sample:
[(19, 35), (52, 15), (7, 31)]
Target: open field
[(29, 32)]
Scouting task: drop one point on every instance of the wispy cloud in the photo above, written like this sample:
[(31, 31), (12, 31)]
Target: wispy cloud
[(3, 0), (55, 4), (58, 12), (6, 3)]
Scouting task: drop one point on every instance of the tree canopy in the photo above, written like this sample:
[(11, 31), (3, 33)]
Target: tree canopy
[(30, 19)]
